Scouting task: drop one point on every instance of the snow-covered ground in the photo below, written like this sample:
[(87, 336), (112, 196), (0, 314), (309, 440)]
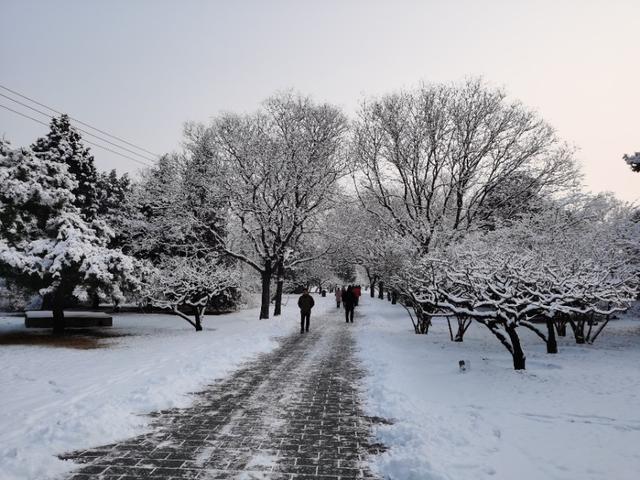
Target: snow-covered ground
[(54, 400), (574, 415), (568, 416)]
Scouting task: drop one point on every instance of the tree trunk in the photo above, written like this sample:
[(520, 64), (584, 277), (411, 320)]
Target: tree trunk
[(58, 312), (561, 328), (381, 290), (423, 321), (517, 353), (463, 324), (198, 324), (266, 292), (552, 344), (578, 330), (277, 309)]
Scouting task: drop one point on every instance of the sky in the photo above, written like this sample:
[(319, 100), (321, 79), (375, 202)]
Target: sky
[(140, 69)]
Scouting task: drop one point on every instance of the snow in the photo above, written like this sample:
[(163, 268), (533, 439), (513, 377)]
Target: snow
[(571, 415), (55, 400), (568, 416)]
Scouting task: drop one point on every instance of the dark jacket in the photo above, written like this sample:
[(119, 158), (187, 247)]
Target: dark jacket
[(348, 298), (305, 302)]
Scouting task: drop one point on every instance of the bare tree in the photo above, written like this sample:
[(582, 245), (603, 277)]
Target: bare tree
[(431, 157), (277, 171)]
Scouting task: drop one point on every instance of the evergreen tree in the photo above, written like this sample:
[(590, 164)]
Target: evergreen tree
[(113, 206), (63, 144), (45, 243)]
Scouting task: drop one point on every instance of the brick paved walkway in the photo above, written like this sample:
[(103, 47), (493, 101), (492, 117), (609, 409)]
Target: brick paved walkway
[(291, 414)]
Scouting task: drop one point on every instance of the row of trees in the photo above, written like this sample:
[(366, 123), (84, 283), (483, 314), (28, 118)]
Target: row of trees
[(456, 199), (248, 190), (471, 209)]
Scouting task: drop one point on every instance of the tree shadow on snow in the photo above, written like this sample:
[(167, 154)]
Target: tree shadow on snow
[(81, 339)]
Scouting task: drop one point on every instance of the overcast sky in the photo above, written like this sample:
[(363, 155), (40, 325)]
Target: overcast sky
[(139, 69)]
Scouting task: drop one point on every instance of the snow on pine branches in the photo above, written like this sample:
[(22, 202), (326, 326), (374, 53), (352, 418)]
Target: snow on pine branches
[(45, 242)]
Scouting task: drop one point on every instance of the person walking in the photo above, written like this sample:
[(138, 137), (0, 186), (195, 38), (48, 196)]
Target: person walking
[(349, 303), (338, 296), (357, 291), (305, 303)]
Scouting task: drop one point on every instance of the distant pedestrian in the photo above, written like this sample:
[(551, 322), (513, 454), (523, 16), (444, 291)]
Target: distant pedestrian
[(306, 303), (349, 303), (357, 291), (338, 296)]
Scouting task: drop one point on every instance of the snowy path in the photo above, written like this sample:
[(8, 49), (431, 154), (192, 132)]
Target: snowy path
[(292, 414)]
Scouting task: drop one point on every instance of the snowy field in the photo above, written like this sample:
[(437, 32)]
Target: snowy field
[(55, 400), (574, 415)]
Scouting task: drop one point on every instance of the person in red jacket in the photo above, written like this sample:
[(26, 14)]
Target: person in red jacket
[(357, 291)]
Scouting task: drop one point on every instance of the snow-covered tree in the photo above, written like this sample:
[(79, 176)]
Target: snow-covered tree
[(113, 192), (171, 216), (362, 241), (45, 242), (63, 143), (433, 156), (155, 224), (277, 171), (183, 283), (633, 161), (559, 263)]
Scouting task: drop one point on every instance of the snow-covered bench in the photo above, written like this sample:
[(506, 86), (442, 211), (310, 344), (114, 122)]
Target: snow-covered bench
[(44, 319)]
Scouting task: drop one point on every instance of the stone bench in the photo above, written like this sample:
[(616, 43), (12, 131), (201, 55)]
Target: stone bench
[(44, 319)]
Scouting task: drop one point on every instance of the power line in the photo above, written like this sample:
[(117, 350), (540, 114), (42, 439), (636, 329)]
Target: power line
[(78, 128), (79, 121), (87, 141)]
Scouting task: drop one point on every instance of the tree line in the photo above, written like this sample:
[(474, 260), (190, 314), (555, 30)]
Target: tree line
[(454, 198)]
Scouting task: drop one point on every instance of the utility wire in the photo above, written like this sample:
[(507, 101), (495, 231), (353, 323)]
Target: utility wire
[(84, 140), (78, 128), (80, 122)]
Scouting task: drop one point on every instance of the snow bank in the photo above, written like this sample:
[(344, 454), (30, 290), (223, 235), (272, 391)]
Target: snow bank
[(55, 400), (568, 416)]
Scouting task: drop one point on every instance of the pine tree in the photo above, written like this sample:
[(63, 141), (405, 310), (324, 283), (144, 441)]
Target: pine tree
[(45, 243), (113, 207), (63, 144)]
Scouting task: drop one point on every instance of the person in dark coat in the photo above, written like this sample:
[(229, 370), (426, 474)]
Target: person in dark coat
[(305, 303), (349, 303)]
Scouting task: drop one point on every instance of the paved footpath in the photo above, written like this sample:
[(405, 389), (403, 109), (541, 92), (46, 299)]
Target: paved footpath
[(292, 414)]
